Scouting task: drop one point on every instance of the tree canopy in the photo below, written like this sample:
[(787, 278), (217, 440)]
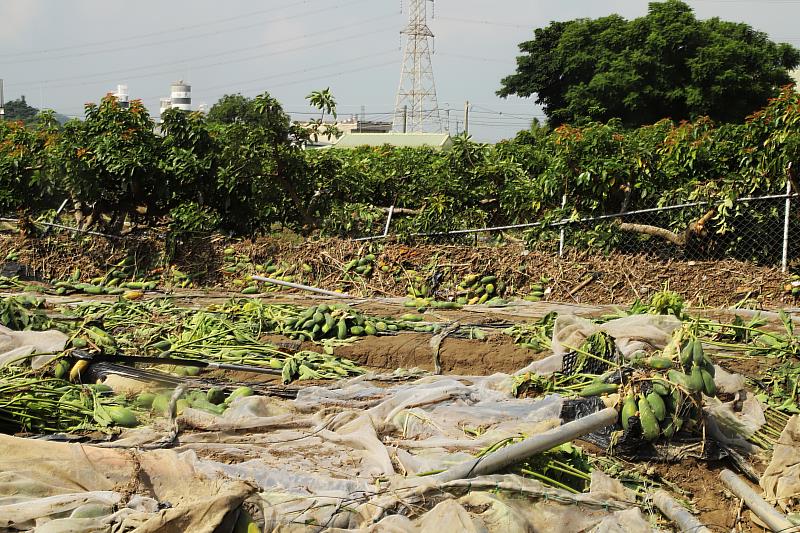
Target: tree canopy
[(666, 64), (233, 108)]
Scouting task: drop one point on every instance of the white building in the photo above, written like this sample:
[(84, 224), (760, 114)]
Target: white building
[(122, 96), (353, 125), (180, 97)]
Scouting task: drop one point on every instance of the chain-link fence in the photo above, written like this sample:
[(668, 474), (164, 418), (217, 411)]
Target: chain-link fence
[(752, 229), (764, 230)]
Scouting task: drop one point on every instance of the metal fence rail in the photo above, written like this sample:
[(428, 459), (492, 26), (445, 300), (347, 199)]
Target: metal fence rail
[(767, 232)]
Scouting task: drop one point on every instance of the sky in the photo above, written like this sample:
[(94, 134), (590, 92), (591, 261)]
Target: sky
[(61, 54)]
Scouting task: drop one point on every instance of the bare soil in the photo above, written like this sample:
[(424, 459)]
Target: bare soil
[(464, 357), (699, 480), (616, 278)]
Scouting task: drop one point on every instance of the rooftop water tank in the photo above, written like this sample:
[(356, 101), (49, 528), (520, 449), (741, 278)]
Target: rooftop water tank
[(181, 95), (123, 99)]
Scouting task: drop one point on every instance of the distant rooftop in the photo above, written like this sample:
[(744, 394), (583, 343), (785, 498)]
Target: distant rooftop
[(438, 141)]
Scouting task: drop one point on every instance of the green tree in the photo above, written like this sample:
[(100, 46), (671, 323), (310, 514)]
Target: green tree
[(324, 101), (233, 108), (262, 175), (109, 163), (667, 64), (25, 182)]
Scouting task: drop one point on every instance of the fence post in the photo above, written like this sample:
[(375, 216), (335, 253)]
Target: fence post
[(563, 229), (785, 259), (388, 221)]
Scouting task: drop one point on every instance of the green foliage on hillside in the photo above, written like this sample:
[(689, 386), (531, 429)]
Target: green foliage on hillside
[(19, 110)]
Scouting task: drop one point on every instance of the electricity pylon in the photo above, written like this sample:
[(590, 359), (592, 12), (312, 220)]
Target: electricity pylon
[(417, 108)]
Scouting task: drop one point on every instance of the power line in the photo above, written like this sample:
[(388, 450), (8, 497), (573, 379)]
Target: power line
[(215, 23), (126, 72), (167, 41), (486, 110), (478, 58), (300, 71), (316, 113), (336, 74), (486, 22)]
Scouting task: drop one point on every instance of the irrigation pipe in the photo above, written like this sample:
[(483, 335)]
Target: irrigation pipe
[(772, 518), (505, 457), (301, 287), (676, 512)]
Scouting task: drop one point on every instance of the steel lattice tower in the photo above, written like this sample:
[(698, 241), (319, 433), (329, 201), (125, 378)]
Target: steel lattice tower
[(416, 105)]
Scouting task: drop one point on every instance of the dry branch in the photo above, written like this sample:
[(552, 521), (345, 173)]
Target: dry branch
[(695, 229)]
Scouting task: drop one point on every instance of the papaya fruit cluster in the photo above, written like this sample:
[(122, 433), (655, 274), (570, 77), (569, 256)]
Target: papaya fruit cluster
[(335, 321), (659, 406), (94, 337), (475, 289), (117, 281), (213, 400), (310, 365), (661, 392), (538, 289), (363, 266)]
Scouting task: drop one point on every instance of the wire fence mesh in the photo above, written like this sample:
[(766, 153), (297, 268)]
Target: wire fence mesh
[(763, 230), (753, 231)]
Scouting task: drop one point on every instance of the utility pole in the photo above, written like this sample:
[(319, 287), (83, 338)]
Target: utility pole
[(2, 102), (405, 119), (466, 117), (417, 88)]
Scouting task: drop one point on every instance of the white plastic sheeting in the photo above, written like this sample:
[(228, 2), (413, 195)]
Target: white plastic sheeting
[(19, 345), (781, 480), (631, 334), (65, 488), (345, 457)]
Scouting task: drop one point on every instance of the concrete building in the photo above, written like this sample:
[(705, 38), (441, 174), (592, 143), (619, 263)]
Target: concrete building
[(437, 141), (352, 125)]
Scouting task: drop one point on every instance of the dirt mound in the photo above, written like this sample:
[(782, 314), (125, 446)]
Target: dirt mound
[(578, 277), (458, 356)]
